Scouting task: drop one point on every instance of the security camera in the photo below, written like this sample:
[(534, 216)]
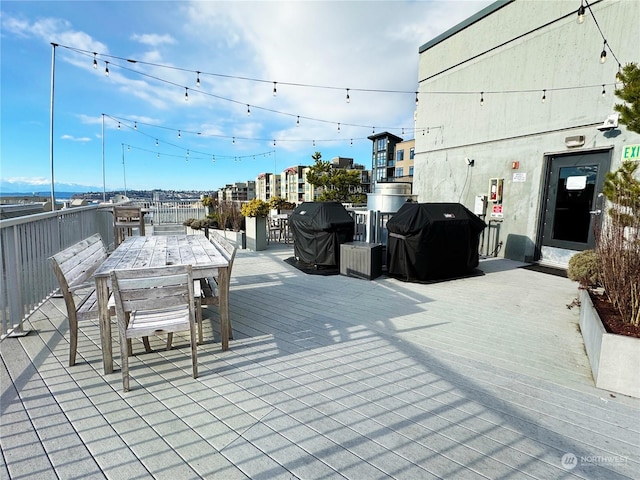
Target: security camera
[(469, 161)]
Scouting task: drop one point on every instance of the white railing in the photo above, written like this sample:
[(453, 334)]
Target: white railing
[(172, 212), (370, 225), (26, 243)]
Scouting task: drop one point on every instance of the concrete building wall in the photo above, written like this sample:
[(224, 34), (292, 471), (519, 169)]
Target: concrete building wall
[(511, 56)]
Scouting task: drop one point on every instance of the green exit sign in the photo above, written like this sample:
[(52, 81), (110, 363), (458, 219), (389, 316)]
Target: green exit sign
[(631, 152)]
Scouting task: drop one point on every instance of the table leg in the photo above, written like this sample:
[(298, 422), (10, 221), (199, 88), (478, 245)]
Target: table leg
[(225, 323), (102, 291)]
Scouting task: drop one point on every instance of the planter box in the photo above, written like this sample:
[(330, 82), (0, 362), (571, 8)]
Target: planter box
[(614, 359), (256, 233)]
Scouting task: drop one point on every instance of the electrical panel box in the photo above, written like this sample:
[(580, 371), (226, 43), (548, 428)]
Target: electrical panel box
[(495, 190), (480, 205)]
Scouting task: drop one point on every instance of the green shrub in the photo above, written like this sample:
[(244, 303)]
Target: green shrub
[(583, 268)]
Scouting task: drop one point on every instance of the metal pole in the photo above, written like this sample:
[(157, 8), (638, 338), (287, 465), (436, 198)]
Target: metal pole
[(104, 188), (124, 173), (53, 77)]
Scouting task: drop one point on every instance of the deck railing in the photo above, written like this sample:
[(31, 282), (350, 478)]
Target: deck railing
[(27, 242)]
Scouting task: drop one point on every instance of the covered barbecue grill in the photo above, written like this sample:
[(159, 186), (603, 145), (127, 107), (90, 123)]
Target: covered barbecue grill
[(318, 229), (430, 241)]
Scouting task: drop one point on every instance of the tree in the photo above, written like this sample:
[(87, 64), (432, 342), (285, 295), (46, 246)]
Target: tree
[(630, 94), (338, 184)]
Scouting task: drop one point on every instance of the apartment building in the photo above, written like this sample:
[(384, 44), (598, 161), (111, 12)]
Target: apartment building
[(392, 158)]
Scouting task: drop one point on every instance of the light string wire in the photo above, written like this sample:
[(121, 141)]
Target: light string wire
[(189, 155), (604, 39), (206, 155), (238, 102), (126, 122)]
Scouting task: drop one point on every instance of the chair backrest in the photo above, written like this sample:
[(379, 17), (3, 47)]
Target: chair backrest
[(153, 289), (125, 219), (228, 249), (74, 266)]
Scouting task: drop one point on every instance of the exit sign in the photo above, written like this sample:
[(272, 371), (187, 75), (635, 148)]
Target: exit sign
[(631, 152)]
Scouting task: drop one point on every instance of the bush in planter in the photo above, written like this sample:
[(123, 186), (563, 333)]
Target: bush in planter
[(255, 208), (618, 242), (583, 268)]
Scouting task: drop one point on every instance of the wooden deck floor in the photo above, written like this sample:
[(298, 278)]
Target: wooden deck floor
[(329, 377)]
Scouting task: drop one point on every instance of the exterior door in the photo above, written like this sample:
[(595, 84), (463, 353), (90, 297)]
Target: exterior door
[(572, 203)]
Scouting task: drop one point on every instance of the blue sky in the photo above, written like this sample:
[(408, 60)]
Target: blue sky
[(314, 51)]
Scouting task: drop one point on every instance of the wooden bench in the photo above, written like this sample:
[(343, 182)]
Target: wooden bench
[(74, 267), (206, 289)]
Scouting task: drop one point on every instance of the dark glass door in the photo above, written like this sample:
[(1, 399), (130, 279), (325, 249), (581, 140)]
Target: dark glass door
[(572, 203)]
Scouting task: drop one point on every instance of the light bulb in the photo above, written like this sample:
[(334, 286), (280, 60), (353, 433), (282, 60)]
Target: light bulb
[(274, 89), (106, 68), (298, 121), (179, 136), (135, 125), (581, 11), (156, 142), (544, 95), (95, 62), (348, 98), (186, 94), (416, 98), (198, 79), (619, 74), (603, 91), (481, 99), (603, 54), (248, 110), (338, 127), (233, 140)]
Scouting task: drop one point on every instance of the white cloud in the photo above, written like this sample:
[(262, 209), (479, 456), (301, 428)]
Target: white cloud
[(75, 139), (153, 39)]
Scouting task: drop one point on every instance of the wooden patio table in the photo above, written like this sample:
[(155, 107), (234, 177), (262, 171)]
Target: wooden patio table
[(154, 251)]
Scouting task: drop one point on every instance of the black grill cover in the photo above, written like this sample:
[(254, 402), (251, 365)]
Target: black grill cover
[(430, 241), (318, 229)]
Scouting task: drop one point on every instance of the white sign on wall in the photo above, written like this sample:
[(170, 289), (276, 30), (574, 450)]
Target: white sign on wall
[(519, 177)]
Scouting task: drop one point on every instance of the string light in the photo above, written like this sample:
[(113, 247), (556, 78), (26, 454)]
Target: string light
[(179, 136), (619, 73), (298, 121), (581, 12), (234, 140), (198, 79), (603, 91), (156, 142), (95, 62), (274, 89), (417, 99), (135, 125), (348, 98), (186, 94), (248, 110), (544, 95), (274, 142), (118, 125), (338, 128), (481, 99), (603, 54), (106, 68)]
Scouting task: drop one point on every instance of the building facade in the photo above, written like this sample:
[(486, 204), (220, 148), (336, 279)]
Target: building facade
[(516, 101)]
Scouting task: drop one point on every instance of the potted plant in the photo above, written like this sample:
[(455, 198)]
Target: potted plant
[(255, 212)]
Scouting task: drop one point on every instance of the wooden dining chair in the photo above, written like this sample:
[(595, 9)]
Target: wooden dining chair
[(126, 218), (153, 301)]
